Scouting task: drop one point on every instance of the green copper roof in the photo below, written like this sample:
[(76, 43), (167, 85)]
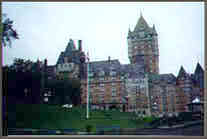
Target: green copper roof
[(141, 24), (182, 72)]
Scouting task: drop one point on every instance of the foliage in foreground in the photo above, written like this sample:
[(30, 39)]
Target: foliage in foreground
[(7, 31)]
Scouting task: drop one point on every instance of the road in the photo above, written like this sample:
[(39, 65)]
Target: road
[(196, 130)]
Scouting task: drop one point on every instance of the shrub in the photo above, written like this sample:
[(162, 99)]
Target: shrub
[(148, 119), (185, 116), (89, 128)]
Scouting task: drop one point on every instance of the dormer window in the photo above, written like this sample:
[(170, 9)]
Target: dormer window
[(112, 73), (101, 73)]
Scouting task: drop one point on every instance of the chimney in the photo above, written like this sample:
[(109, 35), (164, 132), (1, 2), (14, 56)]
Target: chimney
[(80, 45), (45, 61), (109, 59), (38, 64)]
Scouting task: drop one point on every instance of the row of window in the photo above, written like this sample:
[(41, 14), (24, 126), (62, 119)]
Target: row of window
[(102, 73), (113, 99), (66, 65)]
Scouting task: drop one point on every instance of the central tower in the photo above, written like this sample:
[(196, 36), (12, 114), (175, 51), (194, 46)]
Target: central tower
[(143, 46)]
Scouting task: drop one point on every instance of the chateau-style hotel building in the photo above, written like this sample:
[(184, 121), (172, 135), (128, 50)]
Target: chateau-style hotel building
[(136, 87)]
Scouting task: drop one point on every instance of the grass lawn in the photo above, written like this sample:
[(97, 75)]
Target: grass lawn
[(55, 117)]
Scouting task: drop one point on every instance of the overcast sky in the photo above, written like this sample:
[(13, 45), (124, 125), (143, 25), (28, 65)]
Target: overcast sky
[(45, 29)]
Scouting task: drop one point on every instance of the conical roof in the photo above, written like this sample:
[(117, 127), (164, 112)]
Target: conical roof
[(71, 46), (154, 30), (182, 72), (199, 76), (198, 69)]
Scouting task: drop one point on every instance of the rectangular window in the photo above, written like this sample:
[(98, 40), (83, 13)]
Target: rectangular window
[(112, 73), (101, 73), (113, 78), (90, 74), (113, 91), (101, 99), (102, 89), (101, 85), (101, 78), (113, 84), (113, 94), (113, 100)]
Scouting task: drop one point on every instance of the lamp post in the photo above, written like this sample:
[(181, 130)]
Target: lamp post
[(88, 88)]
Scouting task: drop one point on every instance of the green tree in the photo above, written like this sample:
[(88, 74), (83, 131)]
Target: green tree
[(8, 33), (65, 91)]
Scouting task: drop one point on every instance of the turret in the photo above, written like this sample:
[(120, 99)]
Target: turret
[(154, 30)]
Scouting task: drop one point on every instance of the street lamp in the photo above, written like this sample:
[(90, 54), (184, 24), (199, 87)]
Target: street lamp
[(88, 91), (25, 91)]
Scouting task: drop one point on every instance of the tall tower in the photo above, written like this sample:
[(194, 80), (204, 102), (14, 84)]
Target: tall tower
[(143, 46)]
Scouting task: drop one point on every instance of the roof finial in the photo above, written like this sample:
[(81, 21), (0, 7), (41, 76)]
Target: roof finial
[(140, 13), (197, 58), (129, 29)]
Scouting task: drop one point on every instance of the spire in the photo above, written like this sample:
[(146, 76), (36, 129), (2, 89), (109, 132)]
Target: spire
[(154, 30), (129, 31)]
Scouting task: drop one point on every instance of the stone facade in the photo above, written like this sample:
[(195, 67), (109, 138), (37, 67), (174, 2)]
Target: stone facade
[(143, 46)]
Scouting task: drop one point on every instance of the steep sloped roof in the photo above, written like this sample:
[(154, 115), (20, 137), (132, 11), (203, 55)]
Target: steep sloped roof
[(70, 47), (162, 78), (198, 76), (199, 69), (182, 72), (141, 24), (133, 70), (106, 66)]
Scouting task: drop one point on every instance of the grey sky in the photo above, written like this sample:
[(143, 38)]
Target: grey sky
[(45, 29)]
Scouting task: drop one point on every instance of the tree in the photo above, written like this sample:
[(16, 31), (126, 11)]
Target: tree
[(22, 64), (65, 91), (21, 83), (8, 33)]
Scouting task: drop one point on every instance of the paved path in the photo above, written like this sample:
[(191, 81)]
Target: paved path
[(196, 130), (183, 125)]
